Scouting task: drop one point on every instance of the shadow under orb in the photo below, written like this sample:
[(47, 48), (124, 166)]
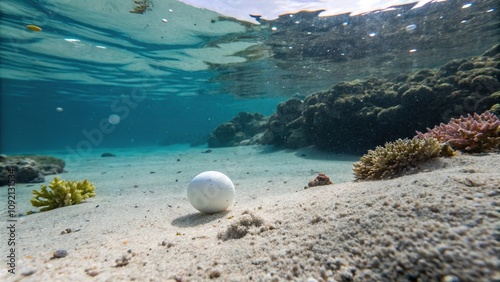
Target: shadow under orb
[(195, 219)]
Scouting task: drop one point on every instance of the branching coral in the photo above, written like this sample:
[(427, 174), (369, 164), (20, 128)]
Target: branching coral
[(62, 193), (395, 158), (471, 134)]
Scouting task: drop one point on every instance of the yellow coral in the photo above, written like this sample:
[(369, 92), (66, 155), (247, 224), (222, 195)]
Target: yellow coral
[(395, 158), (63, 193)]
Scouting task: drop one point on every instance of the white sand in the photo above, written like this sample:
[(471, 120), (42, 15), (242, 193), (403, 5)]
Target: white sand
[(437, 225)]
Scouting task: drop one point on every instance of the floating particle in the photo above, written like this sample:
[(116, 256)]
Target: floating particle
[(411, 27), (412, 50), (345, 23), (466, 5), (372, 34), (59, 109), (164, 20), (170, 10), (33, 27), (274, 28), (114, 119), (72, 40)]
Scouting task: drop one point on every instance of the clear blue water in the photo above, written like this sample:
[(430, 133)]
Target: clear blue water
[(158, 102), (175, 72), (32, 123)]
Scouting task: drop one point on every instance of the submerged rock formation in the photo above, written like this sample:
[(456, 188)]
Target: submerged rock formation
[(285, 126), (361, 114), (354, 116), (29, 168), (243, 129)]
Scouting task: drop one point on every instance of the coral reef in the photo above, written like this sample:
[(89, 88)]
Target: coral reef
[(320, 180), (29, 168), (395, 158), (471, 133), (243, 129), (284, 126), (352, 117), (62, 193)]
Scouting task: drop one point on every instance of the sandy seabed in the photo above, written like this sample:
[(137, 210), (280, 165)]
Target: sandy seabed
[(441, 224)]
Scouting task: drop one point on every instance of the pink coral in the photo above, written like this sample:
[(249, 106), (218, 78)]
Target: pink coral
[(477, 133)]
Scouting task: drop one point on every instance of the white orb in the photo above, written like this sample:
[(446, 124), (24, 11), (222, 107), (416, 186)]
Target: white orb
[(59, 109), (211, 192), (114, 119)]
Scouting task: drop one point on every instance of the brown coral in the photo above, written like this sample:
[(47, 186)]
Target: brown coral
[(320, 180), (395, 158), (471, 134)]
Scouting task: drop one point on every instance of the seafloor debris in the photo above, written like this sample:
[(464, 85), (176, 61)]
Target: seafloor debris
[(320, 180), (123, 261), (59, 254)]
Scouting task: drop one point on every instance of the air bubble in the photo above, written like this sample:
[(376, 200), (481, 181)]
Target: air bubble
[(114, 119)]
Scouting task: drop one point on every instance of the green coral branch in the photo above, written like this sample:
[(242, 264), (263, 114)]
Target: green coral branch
[(62, 193)]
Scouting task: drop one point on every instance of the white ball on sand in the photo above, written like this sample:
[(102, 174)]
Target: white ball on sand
[(211, 192)]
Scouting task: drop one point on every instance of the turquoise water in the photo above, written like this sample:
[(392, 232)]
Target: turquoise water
[(60, 83), (31, 124), (174, 72)]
